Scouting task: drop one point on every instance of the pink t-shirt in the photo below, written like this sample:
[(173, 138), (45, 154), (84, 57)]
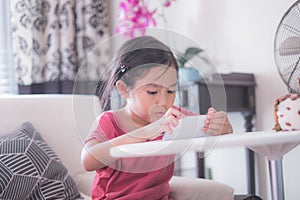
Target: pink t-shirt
[(130, 178)]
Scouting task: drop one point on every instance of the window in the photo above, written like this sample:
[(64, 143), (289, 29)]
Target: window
[(8, 83)]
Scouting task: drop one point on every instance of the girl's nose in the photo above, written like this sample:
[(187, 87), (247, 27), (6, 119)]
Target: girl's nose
[(162, 99)]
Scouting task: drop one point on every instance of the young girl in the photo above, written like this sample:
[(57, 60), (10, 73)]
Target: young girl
[(144, 72)]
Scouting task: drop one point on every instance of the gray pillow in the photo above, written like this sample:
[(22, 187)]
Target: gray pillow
[(30, 169)]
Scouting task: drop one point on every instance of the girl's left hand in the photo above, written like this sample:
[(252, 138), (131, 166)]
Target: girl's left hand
[(217, 123)]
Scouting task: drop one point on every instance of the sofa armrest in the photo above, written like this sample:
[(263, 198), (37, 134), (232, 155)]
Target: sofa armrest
[(84, 182), (200, 189)]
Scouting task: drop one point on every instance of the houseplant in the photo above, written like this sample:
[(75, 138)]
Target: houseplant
[(136, 16), (187, 72)]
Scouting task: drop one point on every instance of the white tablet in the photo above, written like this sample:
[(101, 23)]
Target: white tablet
[(188, 127)]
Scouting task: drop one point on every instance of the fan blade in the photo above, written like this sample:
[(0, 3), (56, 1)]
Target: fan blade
[(290, 46)]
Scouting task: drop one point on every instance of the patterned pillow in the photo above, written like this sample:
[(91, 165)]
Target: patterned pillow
[(31, 170)]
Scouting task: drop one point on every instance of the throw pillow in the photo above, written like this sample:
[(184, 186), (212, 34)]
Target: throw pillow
[(30, 169)]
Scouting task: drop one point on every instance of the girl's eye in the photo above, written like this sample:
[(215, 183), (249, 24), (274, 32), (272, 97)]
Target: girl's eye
[(171, 91), (152, 92)]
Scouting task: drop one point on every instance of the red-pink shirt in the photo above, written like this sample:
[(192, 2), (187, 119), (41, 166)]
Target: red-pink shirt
[(144, 178)]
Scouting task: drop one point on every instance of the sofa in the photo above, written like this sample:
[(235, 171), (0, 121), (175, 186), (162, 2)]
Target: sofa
[(61, 123)]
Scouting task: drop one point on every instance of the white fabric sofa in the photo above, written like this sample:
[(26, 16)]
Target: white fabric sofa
[(65, 120)]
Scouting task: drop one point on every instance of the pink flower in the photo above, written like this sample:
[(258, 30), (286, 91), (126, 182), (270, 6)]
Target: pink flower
[(167, 3), (135, 17)]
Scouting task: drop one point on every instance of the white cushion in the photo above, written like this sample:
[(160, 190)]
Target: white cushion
[(85, 197), (84, 182)]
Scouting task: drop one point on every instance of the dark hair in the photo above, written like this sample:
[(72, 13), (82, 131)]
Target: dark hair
[(143, 52)]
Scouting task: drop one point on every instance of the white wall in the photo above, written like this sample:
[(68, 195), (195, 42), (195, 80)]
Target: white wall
[(238, 36)]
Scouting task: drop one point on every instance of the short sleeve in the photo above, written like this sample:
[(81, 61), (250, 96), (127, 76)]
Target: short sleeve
[(106, 128)]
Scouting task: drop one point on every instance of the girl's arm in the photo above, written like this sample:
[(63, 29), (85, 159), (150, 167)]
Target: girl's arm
[(96, 154)]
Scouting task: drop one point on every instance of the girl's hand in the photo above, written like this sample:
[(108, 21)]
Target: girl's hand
[(217, 123), (166, 123)]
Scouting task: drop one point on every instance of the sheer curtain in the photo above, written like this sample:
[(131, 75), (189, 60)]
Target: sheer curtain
[(7, 75), (53, 41)]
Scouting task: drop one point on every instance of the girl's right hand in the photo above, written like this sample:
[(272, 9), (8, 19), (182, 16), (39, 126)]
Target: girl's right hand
[(166, 123)]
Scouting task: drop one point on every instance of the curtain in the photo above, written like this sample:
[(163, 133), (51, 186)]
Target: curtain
[(58, 43)]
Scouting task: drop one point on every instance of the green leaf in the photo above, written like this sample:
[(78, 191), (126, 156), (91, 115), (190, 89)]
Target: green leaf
[(191, 52)]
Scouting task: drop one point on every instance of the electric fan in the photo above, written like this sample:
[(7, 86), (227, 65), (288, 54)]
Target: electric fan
[(287, 48), (287, 58)]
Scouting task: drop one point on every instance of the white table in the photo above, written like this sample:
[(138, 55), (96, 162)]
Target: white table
[(273, 145)]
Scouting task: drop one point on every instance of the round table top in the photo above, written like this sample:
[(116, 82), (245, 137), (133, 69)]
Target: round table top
[(269, 143)]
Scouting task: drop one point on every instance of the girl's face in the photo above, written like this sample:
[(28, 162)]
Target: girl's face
[(152, 95)]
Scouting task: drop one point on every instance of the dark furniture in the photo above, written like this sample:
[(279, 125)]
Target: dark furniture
[(233, 92)]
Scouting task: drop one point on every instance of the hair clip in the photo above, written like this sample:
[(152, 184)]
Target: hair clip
[(123, 69)]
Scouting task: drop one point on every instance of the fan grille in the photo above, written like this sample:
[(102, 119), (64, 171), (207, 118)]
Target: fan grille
[(287, 48)]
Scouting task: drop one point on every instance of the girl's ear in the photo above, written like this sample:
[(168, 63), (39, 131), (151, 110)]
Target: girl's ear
[(122, 88)]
